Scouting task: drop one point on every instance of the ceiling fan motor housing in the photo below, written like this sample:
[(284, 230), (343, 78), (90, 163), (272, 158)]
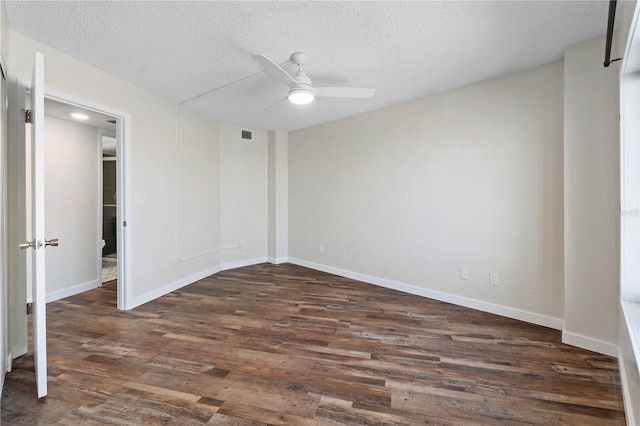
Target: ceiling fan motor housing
[(304, 93)]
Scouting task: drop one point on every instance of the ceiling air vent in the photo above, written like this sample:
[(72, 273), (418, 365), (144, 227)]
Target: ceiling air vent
[(246, 134)]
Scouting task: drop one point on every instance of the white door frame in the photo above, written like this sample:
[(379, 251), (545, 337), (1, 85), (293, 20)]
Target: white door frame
[(100, 191), (20, 292), (6, 357), (123, 184)]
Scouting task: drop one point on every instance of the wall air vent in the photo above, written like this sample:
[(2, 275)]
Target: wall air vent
[(246, 134)]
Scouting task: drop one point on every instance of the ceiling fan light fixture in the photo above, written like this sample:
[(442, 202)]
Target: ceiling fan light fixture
[(301, 96)]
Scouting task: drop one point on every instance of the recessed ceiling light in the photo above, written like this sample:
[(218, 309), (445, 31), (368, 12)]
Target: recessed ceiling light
[(79, 116)]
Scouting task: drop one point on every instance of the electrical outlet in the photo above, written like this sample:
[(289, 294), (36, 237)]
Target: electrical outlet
[(464, 273), (494, 278), (242, 246), (321, 249)]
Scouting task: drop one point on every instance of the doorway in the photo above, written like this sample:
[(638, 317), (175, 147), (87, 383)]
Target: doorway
[(113, 128), (80, 204)]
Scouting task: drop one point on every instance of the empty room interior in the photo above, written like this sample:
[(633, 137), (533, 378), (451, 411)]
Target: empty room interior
[(320, 213)]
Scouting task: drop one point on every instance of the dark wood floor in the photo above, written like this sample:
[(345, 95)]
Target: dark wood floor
[(287, 345)]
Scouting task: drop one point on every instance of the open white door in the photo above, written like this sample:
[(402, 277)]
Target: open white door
[(39, 243)]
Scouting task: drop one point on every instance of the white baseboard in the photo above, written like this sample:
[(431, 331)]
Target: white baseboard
[(629, 361), (242, 263), (71, 291), (176, 285), (573, 339), (505, 311), (277, 260), (589, 343), (631, 404)]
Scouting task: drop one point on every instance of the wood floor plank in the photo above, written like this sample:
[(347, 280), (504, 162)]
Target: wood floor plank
[(286, 345)]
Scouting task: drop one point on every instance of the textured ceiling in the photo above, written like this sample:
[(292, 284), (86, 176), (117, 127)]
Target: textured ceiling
[(404, 50)]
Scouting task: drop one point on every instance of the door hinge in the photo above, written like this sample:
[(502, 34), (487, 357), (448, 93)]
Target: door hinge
[(29, 308), (124, 223), (27, 116)]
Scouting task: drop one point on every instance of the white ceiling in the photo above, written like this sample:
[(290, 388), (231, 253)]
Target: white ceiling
[(63, 111), (404, 50)]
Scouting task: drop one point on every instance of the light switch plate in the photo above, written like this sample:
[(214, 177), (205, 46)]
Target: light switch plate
[(464, 273), (494, 278)]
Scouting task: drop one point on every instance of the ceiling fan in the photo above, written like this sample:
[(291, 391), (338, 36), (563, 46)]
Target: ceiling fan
[(301, 92)]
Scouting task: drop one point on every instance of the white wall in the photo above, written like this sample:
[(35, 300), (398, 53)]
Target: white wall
[(71, 205), (199, 187), (467, 178), (592, 200), (243, 196)]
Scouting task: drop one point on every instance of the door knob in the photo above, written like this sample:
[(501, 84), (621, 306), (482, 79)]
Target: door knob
[(37, 244), (26, 244), (52, 242)]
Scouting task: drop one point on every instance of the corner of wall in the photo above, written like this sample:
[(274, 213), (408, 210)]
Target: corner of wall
[(277, 216), (589, 343), (591, 197)]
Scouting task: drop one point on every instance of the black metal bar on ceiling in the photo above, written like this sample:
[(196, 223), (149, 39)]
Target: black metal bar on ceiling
[(610, 24)]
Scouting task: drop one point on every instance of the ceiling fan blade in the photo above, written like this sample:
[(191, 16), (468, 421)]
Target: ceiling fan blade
[(275, 71), (343, 92), (275, 104)]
